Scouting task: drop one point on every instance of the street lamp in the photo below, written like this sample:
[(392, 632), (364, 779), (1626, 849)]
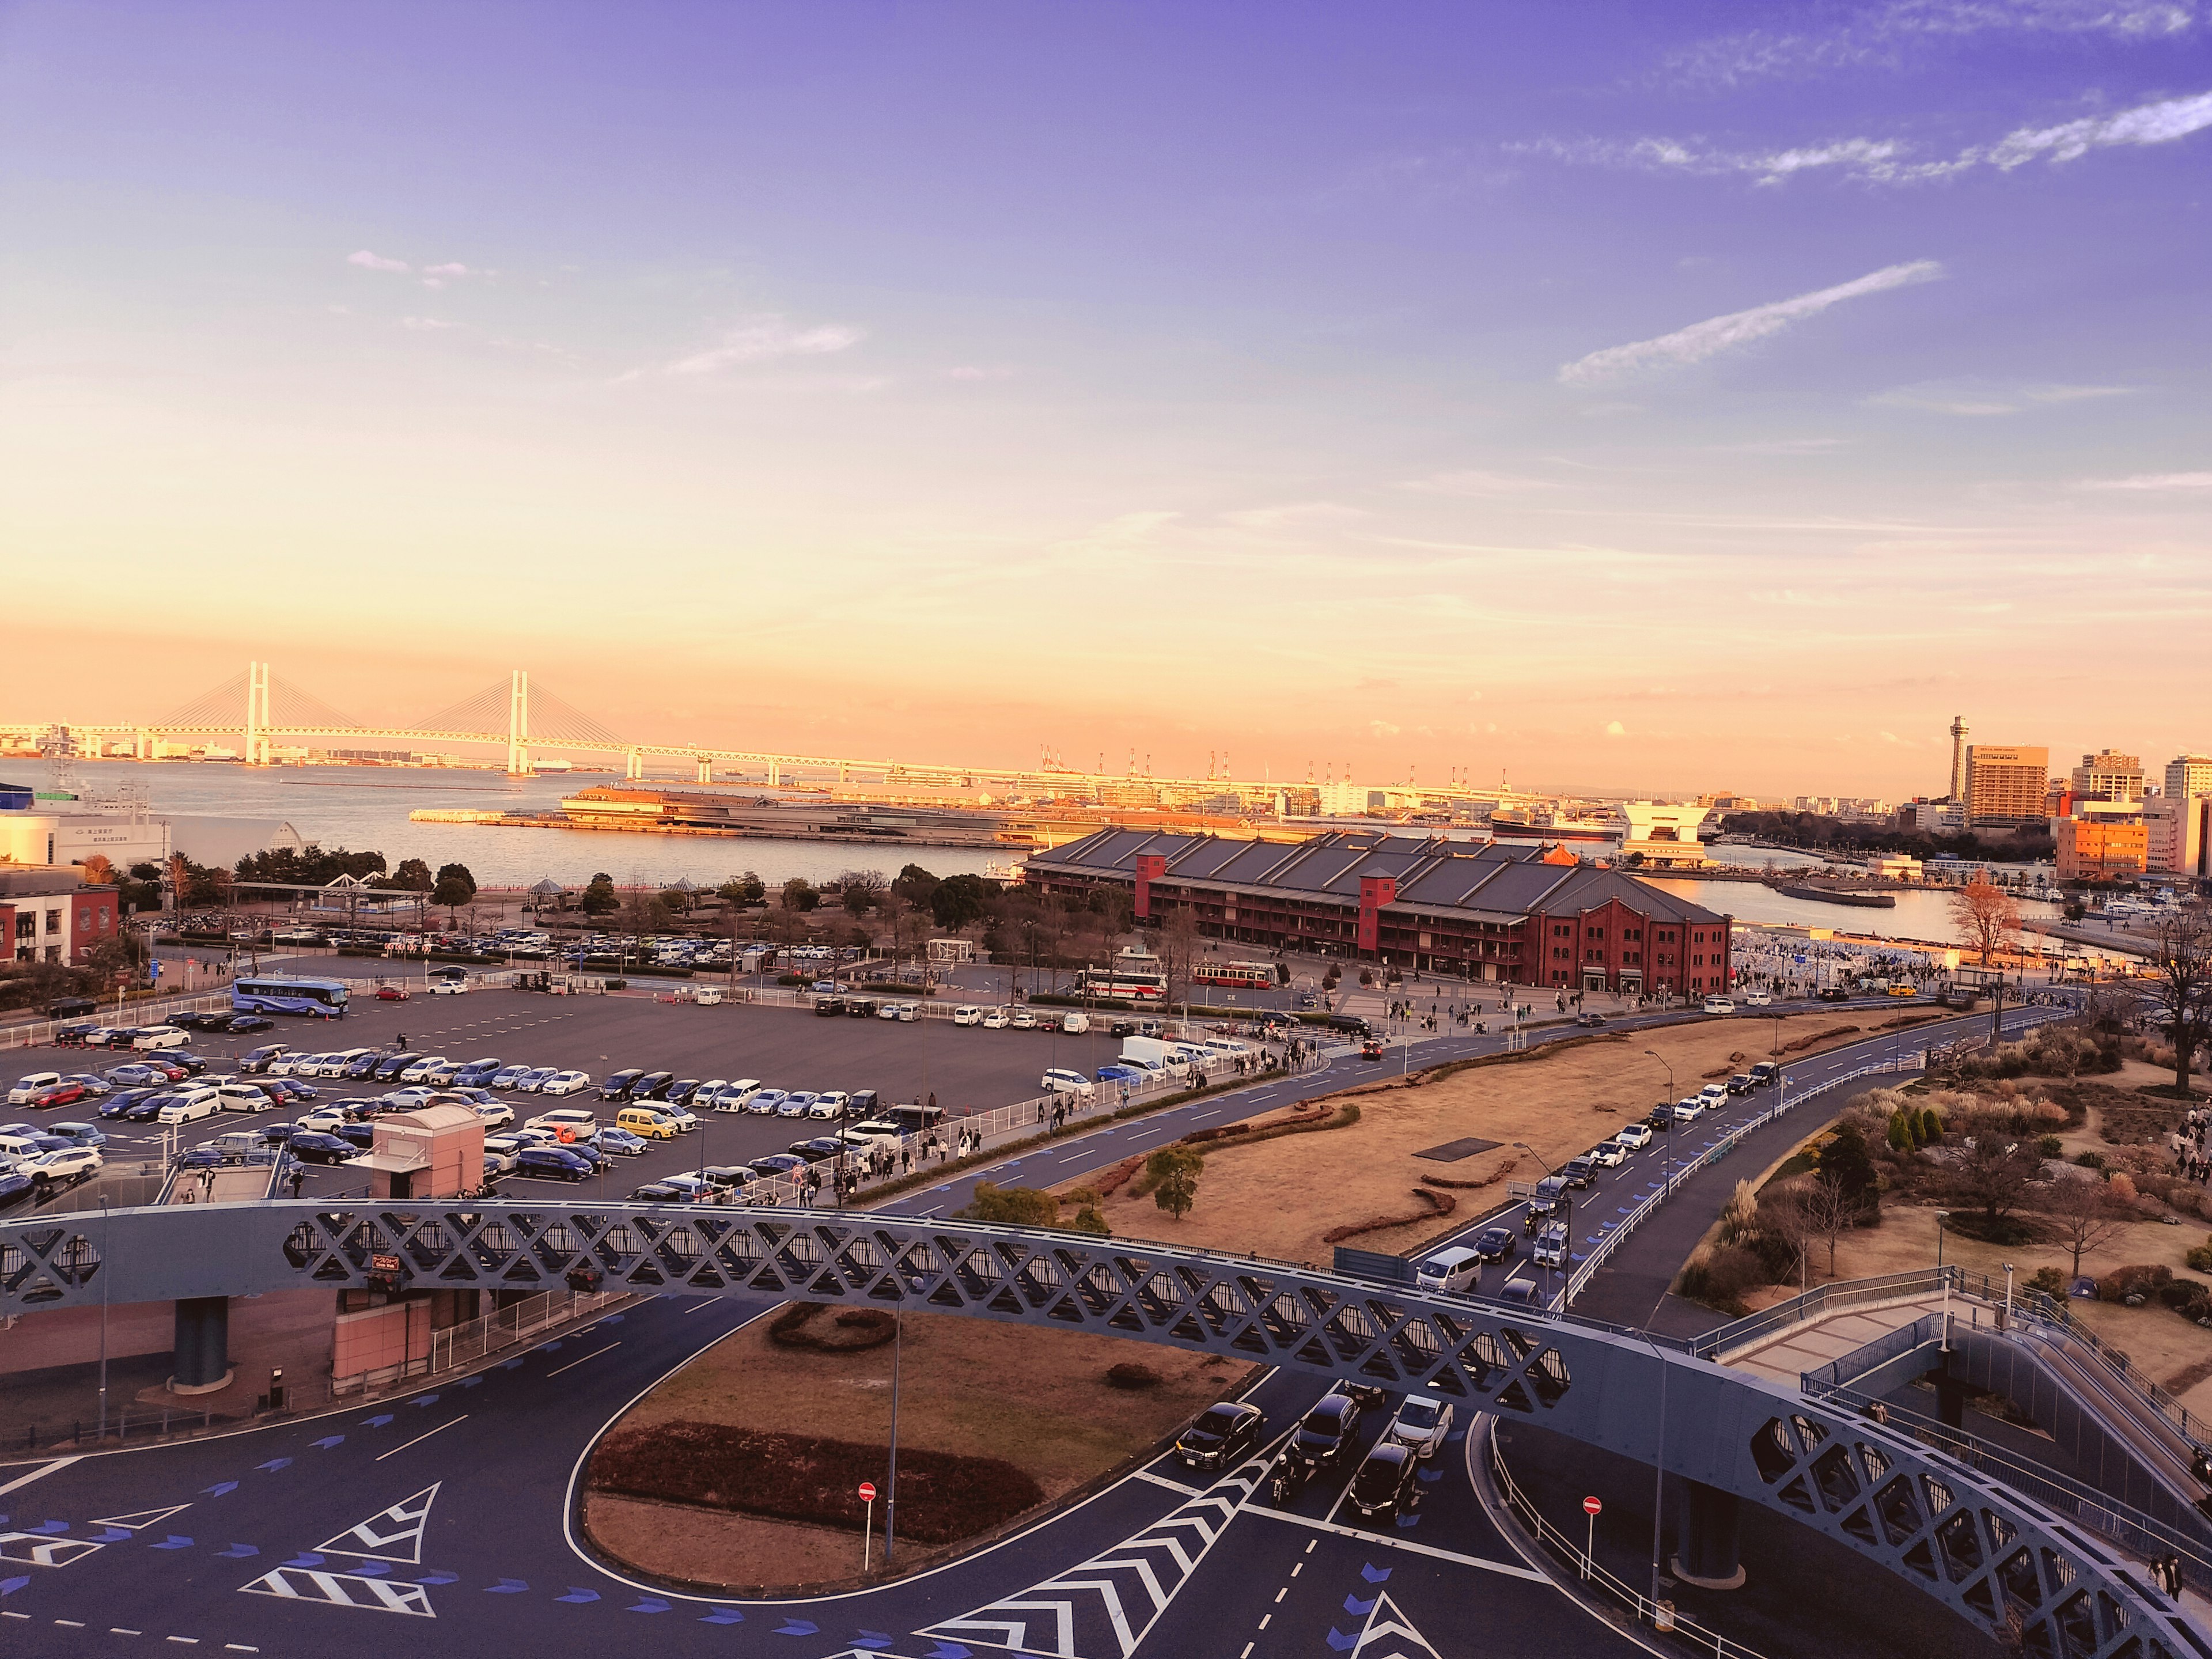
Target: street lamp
[(1666, 1157), (1566, 1204), (1941, 1216)]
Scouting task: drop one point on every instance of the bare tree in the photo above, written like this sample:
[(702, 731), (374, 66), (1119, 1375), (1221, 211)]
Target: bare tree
[(1986, 917), (2181, 967), (1179, 947), (1826, 1210), (2085, 1216), (1995, 1175)]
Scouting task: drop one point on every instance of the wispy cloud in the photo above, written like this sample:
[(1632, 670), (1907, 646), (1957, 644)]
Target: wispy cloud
[(426, 324), (1473, 481), (761, 339), (369, 261), (1978, 398), (1715, 335), (2153, 481), (1888, 160), (1882, 34)]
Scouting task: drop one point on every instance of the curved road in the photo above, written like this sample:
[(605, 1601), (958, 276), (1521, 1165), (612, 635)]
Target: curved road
[(441, 1522)]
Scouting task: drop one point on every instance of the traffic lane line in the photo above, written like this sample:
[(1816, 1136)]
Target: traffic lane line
[(420, 1438), (573, 1363), (1505, 1569)]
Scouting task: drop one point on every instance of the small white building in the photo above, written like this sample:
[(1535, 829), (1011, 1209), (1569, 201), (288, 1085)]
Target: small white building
[(1666, 835)]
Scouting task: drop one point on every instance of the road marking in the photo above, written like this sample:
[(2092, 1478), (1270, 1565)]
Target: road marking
[(1508, 1569), (1172, 1486), (711, 1300), (419, 1438), (118, 1630), (40, 1474), (573, 1363)]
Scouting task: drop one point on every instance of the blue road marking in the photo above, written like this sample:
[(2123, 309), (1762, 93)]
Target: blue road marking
[(275, 1463), (110, 1535), (547, 1348), (578, 1597), (372, 1569), (872, 1639), (10, 1586), (651, 1604), (1340, 1642), (50, 1528), (424, 1400), (377, 1422), (471, 1382), (1407, 1522), (306, 1559), (237, 1552), (438, 1579), (1373, 1574), (798, 1627), (724, 1616), (174, 1542), (508, 1587), (614, 1319), (329, 1441), (510, 1365), (1358, 1608), (942, 1650)]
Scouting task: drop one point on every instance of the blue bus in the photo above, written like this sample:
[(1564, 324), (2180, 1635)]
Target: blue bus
[(281, 993)]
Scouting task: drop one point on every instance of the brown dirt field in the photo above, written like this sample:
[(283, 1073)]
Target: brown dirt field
[(1036, 1398), (1277, 1198)]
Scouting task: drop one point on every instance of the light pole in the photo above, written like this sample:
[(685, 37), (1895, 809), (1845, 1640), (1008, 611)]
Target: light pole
[(1666, 1157), (106, 1219), (1566, 1204), (1941, 1216)]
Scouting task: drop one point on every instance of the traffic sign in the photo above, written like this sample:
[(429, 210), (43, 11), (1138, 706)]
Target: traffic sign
[(1592, 1506), (868, 1491)]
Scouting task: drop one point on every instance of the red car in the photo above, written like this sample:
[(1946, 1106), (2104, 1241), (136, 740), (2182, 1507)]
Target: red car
[(392, 993), (57, 1094)]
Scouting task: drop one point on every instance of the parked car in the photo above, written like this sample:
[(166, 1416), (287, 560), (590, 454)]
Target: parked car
[(160, 1036), (241, 1024), (389, 1069), (1636, 1137), (1226, 1435), (995, 1019), (764, 1102), (320, 1146), (81, 1134), (1607, 1155), (618, 1086), (653, 1085), (622, 1141), (795, 1103), (552, 1164), (449, 988), (1719, 1006), (967, 1015), (63, 1092), (1388, 1482), (392, 993), (534, 1081), (1060, 1081), (63, 1167), (1741, 1083)]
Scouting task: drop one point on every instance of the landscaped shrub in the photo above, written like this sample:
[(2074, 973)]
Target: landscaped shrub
[(1931, 1127), (943, 1497), (2141, 1279), (2051, 1146), (2049, 1280), (1719, 1276), (854, 1330), (2200, 1255)]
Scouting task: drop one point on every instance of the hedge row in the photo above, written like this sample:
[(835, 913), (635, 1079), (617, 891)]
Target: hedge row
[(796, 1477)]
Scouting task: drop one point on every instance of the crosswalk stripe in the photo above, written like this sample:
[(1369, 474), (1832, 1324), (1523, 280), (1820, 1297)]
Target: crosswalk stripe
[(403, 1523), (342, 1590)]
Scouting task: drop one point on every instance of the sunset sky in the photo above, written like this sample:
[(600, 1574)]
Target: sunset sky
[(1628, 398)]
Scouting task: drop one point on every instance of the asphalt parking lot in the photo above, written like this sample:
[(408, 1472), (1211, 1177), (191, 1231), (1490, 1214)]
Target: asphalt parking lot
[(968, 1068)]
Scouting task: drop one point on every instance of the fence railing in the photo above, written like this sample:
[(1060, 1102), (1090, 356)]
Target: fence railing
[(487, 1335), (150, 1011), (2140, 1534), (1818, 1303), (1660, 1615)]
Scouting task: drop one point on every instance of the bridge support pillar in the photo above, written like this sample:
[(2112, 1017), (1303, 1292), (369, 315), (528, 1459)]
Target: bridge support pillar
[(202, 1345), (706, 769), (774, 776), (1950, 1400), (1708, 1548), (633, 766)]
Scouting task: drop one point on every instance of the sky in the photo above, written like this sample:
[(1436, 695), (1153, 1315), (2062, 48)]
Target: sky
[(1617, 398)]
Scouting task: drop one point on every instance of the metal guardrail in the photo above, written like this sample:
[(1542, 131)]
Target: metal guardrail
[(153, 1010), (1693, 1635), (1818, 1304)]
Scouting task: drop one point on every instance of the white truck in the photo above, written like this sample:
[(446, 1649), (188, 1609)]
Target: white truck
[(1151, 1051)]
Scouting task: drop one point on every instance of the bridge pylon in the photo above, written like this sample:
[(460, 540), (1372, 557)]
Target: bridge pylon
[(633, 766), (256, 747), (518, 724), (705, 774)]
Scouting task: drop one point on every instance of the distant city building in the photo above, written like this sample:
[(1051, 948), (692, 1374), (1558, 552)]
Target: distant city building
[(2188, 775), (1958, 758), (2107, 775), (2089, 850), (2006, 782), (2179, 829), (1726, 800), (1931, 818)]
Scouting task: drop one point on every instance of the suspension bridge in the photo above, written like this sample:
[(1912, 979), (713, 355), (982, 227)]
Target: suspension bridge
[(259, 708)]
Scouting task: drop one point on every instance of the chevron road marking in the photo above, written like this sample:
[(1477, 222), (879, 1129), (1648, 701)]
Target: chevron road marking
[(1140, 1575), (1390, 1635), (1406, 1544), (59, 1464), (376, 1538), (342, 1590), (42, 1550)]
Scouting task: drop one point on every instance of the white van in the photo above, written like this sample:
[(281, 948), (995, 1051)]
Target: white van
[(1076, 1024), (966, 1016), (1456, 1269), (27, 1086)]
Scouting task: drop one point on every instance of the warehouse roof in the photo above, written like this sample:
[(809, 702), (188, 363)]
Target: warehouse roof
[(1488, 880)]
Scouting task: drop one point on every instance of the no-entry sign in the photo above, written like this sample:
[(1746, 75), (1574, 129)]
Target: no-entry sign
[(1592, 1506), (868, 1492)]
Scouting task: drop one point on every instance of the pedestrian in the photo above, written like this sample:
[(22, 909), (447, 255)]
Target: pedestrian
[(299, 1179), (402, 1042), (932, 1100)]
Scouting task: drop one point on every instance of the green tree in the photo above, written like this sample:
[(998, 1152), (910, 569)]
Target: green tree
[(960, 899), (914, 884), (453, 892), (458, 872), (1931, 1128), (414, 875), (1900, 1136), (1016, 1206), (1844, 1163), (732, 892), (676, 900), (599, 898), (799, 894), (862, 890), (755, 889), (1173, 1173), (1088, 1219)]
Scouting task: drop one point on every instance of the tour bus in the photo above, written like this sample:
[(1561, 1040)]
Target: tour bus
[(1254, 975), (1134, 976), (281, 993)]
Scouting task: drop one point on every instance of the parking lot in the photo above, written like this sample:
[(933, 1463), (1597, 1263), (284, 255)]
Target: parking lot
[(967, 1068)]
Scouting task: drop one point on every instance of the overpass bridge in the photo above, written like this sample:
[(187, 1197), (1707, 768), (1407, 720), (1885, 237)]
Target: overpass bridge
[(2022, 1571), (257, 708)]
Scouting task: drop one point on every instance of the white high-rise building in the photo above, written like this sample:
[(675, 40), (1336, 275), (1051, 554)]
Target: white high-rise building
[(2187, 775)]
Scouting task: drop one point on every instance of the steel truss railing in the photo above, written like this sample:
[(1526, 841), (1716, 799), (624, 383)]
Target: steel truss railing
[(1992, 1556)]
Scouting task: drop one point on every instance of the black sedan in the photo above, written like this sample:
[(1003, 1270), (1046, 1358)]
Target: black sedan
[(1326, 1434), (619, 1084), (1227, 1434), (1496, 1243), (1387, 1483), (389, 1068), (119, 1104), (312, 1147), (215, 1022), (241, 1024), (550, 1163), (653, 1085)]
